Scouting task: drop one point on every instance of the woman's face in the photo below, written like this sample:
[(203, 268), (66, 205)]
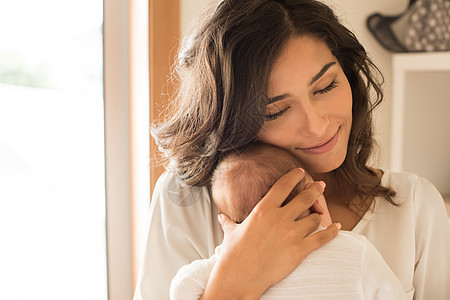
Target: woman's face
[(310, 111)]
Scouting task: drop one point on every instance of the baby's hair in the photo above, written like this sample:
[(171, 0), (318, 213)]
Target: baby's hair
[(242, 179)]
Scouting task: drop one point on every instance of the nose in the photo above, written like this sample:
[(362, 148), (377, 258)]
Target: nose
[(313, 120)]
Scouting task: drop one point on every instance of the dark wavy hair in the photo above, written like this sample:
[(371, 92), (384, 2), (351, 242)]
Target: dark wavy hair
[(223, 70)]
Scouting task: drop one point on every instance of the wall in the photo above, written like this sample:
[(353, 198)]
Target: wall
[(426, 137), (353, 13)]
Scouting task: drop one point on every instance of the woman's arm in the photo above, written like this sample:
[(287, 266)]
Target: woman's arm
[(269, 244), (432, 234)]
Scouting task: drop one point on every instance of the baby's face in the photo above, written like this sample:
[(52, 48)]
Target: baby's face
[(325, 218)]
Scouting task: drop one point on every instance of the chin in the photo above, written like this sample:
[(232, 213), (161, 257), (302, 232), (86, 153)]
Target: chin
[(323, 169), (325, 165)]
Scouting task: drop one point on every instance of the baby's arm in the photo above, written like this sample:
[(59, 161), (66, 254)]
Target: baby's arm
[(190, 280)]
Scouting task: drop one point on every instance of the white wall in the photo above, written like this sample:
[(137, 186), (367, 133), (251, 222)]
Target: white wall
[(426, 139), (190, 9)]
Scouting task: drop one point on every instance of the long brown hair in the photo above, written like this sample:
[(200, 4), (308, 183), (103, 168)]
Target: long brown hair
[(223, 71)]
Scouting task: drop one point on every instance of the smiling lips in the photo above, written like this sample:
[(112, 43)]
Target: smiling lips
[(323, 148)]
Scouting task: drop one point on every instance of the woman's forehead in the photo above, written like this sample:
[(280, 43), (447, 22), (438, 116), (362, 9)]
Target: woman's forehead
[(305, 53)]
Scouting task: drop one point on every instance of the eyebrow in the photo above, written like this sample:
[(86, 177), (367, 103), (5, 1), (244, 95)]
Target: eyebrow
[(322, 71), (278, 98), (315, 78)]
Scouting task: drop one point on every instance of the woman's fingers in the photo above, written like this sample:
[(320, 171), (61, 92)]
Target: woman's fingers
[(269, 244), (304, 200), (226, 223), (282, 188), (307, 225), (320, 238)]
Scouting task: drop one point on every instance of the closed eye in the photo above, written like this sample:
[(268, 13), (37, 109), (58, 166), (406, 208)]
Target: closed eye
[(329, 88), (277, 114)]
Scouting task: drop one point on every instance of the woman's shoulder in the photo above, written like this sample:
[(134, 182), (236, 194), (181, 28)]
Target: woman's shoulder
[(185, 213), (170, 189), (400, 179), (417, 200), (416, 197), (411, 188)]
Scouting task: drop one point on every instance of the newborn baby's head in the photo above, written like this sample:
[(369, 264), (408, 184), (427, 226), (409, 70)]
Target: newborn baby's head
[(242, 179)]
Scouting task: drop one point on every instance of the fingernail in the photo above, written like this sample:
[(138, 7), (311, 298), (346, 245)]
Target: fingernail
[(338, 225), (301, 169), (322, 184), (220, 218)]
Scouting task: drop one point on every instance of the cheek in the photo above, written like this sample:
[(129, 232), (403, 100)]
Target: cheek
[(268, 134), (275, 134), (348, 95), (343, 107)]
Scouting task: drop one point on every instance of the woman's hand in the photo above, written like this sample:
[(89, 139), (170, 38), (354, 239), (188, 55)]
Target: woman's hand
[(269, 244)]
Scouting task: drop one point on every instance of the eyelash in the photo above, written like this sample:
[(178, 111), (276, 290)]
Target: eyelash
[(329, 88), (276, 115), (325, 90)]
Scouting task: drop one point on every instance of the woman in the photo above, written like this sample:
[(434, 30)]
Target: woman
[(287, 73)]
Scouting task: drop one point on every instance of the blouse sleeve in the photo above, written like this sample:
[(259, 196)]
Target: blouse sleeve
[(183, 227), (432, 268)]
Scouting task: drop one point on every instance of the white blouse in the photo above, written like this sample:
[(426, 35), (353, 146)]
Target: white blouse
[(413, 238)]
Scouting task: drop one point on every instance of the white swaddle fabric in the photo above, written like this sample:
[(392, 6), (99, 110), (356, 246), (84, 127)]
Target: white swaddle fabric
[(349, 267)]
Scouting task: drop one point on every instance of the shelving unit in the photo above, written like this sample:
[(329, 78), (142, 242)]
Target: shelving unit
[(411, 72), (401, 64)]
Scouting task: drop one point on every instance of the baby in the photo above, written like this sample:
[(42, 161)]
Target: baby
[(348, 267)]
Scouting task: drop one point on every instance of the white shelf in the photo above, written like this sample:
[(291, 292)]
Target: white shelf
[(401, 64), (431, 61)]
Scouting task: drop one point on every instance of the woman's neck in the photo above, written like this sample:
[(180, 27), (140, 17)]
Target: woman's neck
[(341, 201), (331, 188)]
